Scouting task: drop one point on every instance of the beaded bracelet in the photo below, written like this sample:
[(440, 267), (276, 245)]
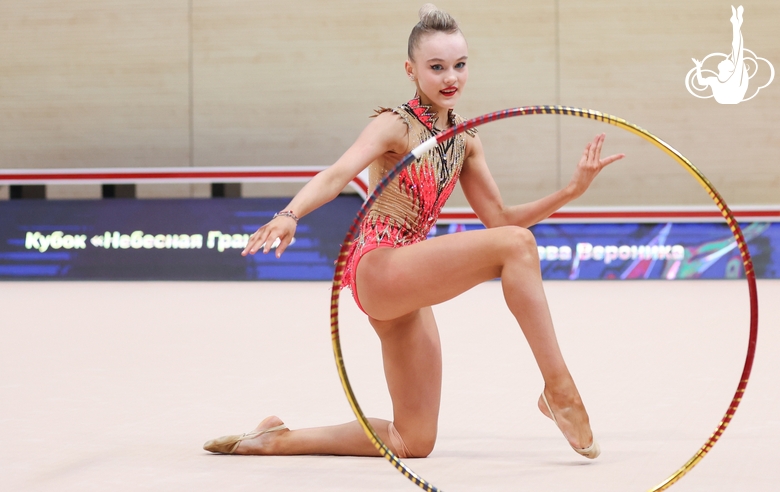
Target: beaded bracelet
[(287, 213)]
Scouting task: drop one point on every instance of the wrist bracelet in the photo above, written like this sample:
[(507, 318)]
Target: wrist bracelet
[(286, 213)]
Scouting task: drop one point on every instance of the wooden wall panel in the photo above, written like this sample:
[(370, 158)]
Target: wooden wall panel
[(107, 83), (630, 59), (294, 83), (512, 57), (94, 83), (74, 192)]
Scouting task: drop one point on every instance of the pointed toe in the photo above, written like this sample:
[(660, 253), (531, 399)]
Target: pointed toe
[(591, 452), (229, 444), (223, 445)]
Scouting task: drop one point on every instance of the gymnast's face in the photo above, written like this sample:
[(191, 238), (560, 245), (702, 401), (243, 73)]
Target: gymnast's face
[(439, 69)]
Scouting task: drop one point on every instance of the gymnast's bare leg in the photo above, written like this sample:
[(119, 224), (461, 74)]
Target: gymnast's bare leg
[(412, 359), (397, 304)]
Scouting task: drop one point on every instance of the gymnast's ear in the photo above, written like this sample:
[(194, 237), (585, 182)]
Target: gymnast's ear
[(409, 69)]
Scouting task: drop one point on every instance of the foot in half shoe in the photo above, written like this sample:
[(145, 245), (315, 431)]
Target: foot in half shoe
[(230, 444), (567, 417)]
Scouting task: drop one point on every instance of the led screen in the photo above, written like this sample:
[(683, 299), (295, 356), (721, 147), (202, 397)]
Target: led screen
[(197, 239), (200, 239), (651, 251)]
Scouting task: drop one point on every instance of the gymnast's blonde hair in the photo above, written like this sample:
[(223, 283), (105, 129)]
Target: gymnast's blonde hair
[(432, 20)]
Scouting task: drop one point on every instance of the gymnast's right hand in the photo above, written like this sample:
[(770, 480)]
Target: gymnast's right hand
[(281, 227)]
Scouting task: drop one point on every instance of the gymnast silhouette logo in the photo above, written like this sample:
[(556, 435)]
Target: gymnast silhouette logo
[(730, 84)]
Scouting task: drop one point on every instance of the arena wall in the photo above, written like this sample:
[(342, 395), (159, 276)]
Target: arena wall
[(171, 83)]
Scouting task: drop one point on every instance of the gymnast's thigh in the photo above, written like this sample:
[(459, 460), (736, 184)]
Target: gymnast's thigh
[(393, 282)]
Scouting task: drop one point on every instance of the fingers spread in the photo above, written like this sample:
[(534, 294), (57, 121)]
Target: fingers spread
[(255, 242), (282, 246), (600, 163), (275, 234), (269, 244)]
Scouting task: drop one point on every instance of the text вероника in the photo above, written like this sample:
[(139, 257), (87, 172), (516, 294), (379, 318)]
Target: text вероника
[(610, 253)]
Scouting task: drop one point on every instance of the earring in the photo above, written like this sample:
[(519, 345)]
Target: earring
[(411, 77)]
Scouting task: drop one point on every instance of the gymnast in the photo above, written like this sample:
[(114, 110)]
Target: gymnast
[(396, 275)]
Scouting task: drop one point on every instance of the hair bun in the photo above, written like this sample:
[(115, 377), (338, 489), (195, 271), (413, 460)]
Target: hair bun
[(431, 20), (427, 10)]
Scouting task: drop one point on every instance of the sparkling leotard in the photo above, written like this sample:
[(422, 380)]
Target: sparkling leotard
[(407, 209)]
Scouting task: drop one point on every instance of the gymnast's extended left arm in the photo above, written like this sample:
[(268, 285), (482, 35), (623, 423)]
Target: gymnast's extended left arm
[(485, 199)]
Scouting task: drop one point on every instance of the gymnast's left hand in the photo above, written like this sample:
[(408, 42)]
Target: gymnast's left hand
[(590, 166)]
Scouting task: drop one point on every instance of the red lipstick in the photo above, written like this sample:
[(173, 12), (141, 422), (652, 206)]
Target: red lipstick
[(449, 91)]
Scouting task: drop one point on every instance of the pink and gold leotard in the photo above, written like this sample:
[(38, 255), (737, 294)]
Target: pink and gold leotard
[(409, 207)]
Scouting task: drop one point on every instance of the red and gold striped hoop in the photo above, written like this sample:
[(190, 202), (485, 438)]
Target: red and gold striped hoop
[(556, 110)]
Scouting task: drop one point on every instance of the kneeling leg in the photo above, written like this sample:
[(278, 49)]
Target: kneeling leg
[(411, 352)]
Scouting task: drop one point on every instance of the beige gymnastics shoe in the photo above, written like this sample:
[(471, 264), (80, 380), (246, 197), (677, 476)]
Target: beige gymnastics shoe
[(229, 444), (591, 452)]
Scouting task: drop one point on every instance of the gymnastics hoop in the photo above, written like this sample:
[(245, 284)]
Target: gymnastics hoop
[(557, 110)]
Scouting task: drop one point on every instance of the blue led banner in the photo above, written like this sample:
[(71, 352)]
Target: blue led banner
[(200, 239), (163, 239), (650, 251)]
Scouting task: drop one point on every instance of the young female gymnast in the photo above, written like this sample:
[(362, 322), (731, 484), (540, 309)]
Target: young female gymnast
[(396, 275)]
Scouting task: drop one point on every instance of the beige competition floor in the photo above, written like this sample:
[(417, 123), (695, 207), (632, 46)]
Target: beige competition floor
[(115, 387)]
